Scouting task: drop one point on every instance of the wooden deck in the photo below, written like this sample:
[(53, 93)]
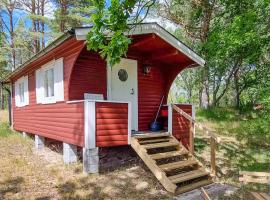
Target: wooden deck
[(171, 163)]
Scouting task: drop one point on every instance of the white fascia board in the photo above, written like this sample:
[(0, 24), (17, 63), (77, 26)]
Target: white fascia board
[(156, 29)]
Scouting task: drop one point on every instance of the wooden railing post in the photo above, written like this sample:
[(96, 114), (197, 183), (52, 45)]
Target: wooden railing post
[(213, 155), (191, 137), (213, 138)]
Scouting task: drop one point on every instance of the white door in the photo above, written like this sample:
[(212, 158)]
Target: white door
[(124, 86)]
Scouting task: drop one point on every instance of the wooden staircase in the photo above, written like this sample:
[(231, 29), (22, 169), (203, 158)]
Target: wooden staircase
[(172, 164)]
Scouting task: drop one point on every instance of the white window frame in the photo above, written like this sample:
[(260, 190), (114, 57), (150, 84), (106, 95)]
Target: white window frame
[(19, 102), (58, 86)]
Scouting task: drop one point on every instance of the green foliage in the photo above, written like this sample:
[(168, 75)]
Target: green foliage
[(217, 114), (233, 37), (112, 22), (250, 126), (70, 14), (5, 130)]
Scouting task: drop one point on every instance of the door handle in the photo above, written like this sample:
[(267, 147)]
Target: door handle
[(132, 91)]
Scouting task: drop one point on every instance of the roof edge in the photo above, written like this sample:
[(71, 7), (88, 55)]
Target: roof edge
[(145, 28), (41, 53)]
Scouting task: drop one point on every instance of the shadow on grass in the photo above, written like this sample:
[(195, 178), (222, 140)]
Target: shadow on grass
[(120, 186), (10, 186)]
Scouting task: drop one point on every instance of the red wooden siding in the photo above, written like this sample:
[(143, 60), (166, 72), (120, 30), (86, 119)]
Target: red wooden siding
[(111, 124), (150, 91), (60, 121), (89, 75), (180, 125)]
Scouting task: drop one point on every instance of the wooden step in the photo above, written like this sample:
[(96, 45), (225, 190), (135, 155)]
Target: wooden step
[(166, 139), (179, 178), (160, 145), (193, 186), (178, 165), (140, 143), (150, 135), (169, 154)]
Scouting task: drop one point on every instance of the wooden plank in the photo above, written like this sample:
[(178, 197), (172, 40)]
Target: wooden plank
[(193, 186), (266, 196), (254, 173), (254, 177), (205, 195), (160, 145), (169, 154), (249, 179), (155, 140), (178, 165), (150, 135), (257, 196), (179, 178), (213, 155), (150, 163)]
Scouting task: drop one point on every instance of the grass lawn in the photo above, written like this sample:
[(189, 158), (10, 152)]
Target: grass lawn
[(245, 144)]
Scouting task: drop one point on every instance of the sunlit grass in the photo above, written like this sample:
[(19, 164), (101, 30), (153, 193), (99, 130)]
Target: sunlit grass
[(245, 143)]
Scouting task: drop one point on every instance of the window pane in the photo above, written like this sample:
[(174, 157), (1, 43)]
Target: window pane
[(49, 83), (21, 92), (46, 84)]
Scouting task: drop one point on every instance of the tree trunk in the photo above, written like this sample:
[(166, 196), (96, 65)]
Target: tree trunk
[(34, 25), (12, 46), (63, 14), (42, 24), (236, 89)]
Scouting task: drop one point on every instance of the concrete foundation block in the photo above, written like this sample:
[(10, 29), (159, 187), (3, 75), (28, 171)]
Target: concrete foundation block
[(90, 161), (25, 135), (39, 142), (69, 153)]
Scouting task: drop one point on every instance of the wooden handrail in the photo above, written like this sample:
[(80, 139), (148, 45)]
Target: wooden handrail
[(214, 139), (197, 124)]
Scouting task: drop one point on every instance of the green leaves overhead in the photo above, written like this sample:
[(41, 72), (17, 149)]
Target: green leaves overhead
[(109, 26)]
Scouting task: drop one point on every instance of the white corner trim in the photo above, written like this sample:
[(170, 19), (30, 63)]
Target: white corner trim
[(157, 29), (129, 121), (193, 111), (109, 81), (170, 116), (11, 104), (89, 124)]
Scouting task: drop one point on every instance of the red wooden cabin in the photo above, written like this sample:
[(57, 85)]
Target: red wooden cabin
[(70, 94)]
